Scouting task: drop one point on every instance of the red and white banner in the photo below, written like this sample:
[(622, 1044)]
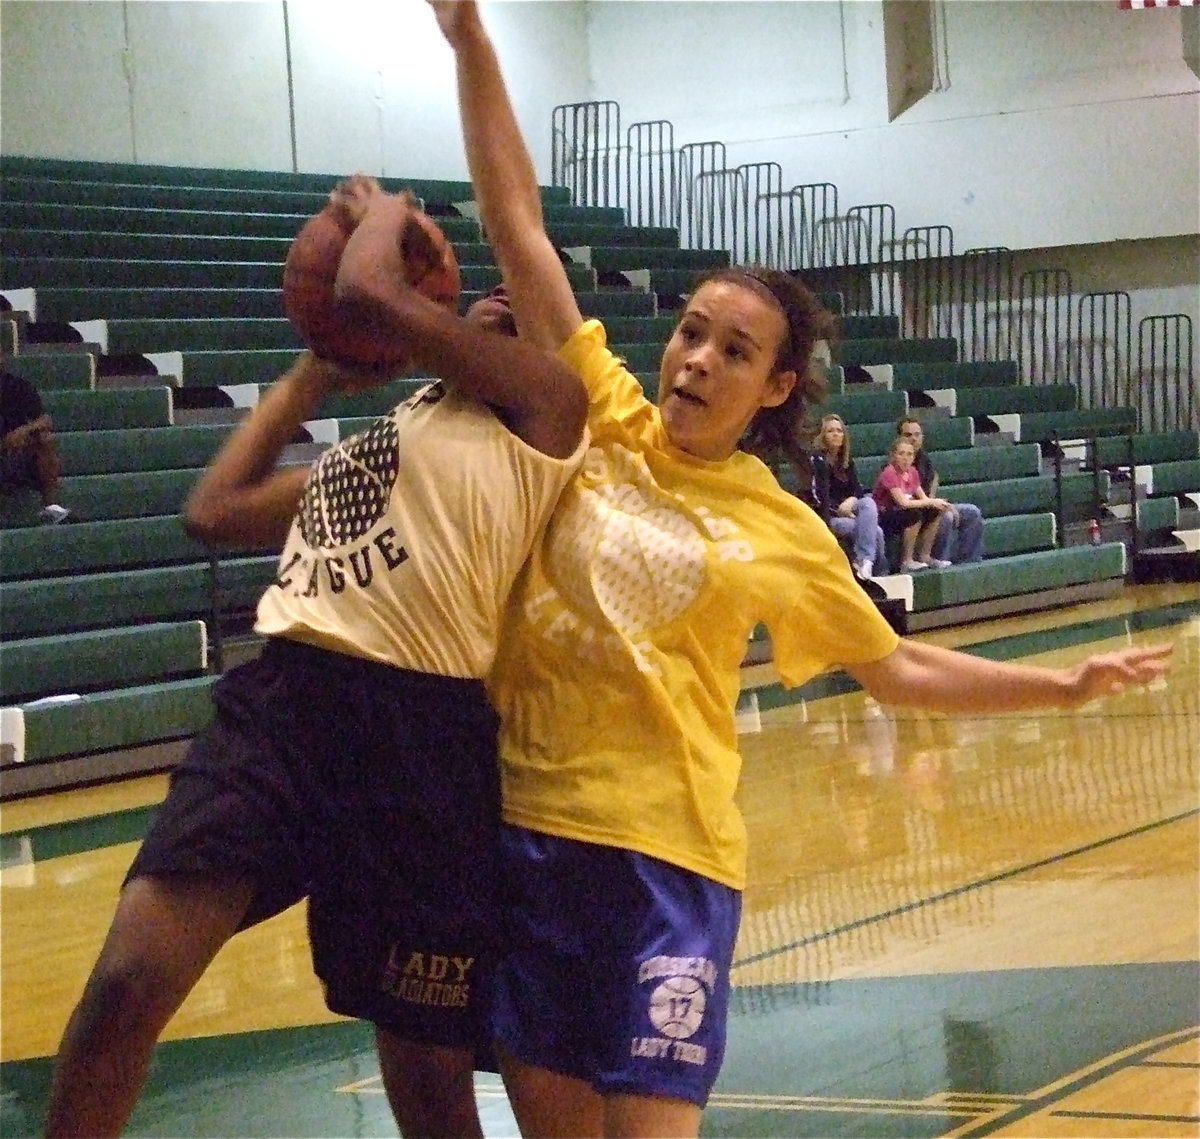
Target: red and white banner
[(1157, 3)]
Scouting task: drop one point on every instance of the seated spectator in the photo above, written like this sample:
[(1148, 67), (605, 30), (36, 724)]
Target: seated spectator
[(28, 450), (904, 507), (960, 531), (848, 510)]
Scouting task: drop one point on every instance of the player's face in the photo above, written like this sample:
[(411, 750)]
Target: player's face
[(718, 369), (493, 313)]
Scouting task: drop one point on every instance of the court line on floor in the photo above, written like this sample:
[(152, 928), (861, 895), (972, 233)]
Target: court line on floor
[(967, 887), (1044, 1098)]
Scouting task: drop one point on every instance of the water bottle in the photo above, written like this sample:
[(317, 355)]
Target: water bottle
[(1094, 532)]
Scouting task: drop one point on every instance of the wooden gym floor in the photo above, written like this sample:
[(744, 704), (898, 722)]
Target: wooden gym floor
[(967, 927)]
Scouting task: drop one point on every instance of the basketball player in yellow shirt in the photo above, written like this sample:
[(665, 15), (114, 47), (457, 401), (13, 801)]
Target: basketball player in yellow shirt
[(618, 671)]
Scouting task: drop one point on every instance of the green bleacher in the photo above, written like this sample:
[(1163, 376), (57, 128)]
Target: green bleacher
[(140, 449), (183, 267), (874, 438), (1147, 447), (33, 552), (938, 375), (59, 371), (86, 272), (114, 598), (32, 667), (119, 718), (127, 494), (107, 409), (1012, 577)]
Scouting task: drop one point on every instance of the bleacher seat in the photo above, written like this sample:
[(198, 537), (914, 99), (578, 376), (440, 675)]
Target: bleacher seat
[(175, 272)]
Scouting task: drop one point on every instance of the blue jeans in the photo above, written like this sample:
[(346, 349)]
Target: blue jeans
[(963, 542), (864, 528)]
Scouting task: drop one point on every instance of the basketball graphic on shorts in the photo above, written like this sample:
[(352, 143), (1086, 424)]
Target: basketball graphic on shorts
[(677, 1007), (308, 279)]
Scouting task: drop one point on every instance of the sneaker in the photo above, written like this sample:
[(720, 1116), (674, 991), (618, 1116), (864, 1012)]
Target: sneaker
[(937, 563), (863, 570), (53, 513), (911, 566)]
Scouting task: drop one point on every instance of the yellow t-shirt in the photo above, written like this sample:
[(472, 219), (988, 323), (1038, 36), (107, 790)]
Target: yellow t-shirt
[(619, 667)]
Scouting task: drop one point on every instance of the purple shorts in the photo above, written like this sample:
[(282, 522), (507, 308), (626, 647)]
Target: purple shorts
[(372, 791), (617, 967)]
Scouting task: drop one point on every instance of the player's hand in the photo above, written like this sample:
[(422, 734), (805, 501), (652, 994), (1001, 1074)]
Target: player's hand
[(1107, 674), (350, 379), (350, 199), (455, 18)]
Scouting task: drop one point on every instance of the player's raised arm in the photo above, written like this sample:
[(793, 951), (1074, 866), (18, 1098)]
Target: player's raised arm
[(535, 394), (506, 186)]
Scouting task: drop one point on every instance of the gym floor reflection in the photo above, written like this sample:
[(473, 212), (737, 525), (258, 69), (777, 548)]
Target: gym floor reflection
[(972, 926)]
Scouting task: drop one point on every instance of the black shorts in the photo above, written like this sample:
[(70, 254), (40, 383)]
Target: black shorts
[(18, 470), (902, 517), (372, 791)]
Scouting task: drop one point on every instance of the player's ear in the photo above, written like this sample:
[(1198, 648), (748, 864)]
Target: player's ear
[(779, 387)]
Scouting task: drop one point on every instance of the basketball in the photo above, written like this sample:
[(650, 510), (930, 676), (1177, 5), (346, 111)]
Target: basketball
[(308, 299)]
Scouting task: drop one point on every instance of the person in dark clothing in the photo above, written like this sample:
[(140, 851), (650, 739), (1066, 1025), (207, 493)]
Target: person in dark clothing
[(29, 457), (849, 510)]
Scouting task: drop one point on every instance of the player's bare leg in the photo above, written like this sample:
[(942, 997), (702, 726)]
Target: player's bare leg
[(431, 1090), (163, 936), (549, 1104)]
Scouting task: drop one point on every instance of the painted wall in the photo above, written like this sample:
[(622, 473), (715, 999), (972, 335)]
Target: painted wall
[(1050, 125), (364, 84), (1060, 123)]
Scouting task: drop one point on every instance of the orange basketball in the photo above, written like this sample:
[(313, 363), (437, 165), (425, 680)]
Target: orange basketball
[(352, 339)]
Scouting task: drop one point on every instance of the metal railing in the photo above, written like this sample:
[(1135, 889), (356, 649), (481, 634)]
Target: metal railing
[(973, 297)]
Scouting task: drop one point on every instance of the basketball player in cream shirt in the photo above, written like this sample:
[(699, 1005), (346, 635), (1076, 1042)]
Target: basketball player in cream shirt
[(354, 762)]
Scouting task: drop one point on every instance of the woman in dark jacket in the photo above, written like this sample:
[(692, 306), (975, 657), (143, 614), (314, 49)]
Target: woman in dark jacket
[(847, 508)]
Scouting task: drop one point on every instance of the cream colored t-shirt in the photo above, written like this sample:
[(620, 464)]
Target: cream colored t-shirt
[(410, 535), (619, 668)]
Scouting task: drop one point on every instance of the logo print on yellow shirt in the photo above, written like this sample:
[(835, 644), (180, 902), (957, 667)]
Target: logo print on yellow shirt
[(623, 550)]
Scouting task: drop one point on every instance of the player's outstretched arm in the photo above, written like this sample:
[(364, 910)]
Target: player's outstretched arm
[(241, 499), (506, 187), (943, 680), (536, 395)]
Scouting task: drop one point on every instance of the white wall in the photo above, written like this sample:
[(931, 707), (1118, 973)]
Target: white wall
[(206, 83), (200, 84), (1065, 129), (1056, 123), (385, 102), (1053, 124)]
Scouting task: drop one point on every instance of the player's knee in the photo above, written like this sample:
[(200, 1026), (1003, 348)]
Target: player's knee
[(125, 998)]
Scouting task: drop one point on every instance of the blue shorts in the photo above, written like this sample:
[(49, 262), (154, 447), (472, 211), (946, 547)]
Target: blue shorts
[(617, 968), (371, 791)]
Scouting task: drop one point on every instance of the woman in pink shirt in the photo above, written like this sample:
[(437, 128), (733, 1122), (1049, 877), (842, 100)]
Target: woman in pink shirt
[(905, 507)]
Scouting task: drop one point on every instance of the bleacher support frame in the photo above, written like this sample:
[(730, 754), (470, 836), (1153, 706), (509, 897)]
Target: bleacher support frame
[(970, 295)]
